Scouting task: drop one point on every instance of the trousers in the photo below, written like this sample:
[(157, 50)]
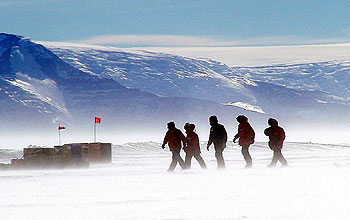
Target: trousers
[(246, 155), (198, 157), (277, 156), (176, 158), (219, 149)]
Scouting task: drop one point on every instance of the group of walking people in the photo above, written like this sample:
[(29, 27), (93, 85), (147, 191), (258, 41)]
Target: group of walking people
[(176, 141)]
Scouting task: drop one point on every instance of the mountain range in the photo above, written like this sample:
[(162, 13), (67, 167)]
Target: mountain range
[(43, 84), (305, 90)]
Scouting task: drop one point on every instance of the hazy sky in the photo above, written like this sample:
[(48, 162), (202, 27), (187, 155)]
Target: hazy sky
[(179, 22)]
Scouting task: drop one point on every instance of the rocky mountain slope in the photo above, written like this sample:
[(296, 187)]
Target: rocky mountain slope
[(40, 89), (45, 84), (303, 90)]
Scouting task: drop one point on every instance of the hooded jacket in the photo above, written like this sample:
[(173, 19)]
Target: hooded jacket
[(276, 135), (192, 142), (218, 134), (245, 133), (173, 138)]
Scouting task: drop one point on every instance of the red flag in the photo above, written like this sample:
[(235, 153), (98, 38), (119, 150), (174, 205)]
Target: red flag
[(60, 128), (97, 120)]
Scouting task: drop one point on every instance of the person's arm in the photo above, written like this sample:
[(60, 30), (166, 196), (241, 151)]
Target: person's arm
[(183, 138), (225, 134), (237, 135), (267, 132), (196, 141), (210, 141), (166, 139), (282, 136)]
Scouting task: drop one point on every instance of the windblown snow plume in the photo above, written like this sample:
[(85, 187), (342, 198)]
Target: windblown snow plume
[(245, 106), (46, 90)]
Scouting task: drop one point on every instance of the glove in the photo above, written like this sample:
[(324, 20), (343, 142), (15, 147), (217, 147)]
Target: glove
[(163, 146), (234, 140)]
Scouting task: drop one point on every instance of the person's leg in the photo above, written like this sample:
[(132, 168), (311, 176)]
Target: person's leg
[(200, 160), (179, 159), (274, 158), (246, 155), (219, 157), (281, 158), (173, 161), (188, 159)]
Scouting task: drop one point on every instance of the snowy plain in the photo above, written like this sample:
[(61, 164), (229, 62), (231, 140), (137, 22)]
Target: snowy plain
[(137, 186)]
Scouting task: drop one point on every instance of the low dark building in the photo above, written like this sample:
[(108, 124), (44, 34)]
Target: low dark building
[(72, 155)]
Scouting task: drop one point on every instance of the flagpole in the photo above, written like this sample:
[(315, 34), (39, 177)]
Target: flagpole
[(95, 132), (59, 136)]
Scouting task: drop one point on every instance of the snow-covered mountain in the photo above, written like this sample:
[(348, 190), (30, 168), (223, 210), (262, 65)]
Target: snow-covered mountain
[(40, 89), (331, 77), (158, 73), (136, 89), (279, 90)]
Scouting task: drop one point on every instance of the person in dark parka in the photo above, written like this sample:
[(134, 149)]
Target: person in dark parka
[(246, 137), (173, 138), (192, 149), (276, 137), (217, 136)]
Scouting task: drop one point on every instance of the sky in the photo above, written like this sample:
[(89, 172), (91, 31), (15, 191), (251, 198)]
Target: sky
[(129, 23)]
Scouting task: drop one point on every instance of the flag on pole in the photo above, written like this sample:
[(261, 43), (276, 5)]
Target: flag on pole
[(59, 134), (97, 120)]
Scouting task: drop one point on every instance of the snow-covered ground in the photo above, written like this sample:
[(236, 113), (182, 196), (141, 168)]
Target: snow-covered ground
[(137, 186)]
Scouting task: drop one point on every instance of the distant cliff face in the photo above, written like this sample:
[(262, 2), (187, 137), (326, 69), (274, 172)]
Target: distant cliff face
[(292, 90), (43, 86), (37, 88)]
